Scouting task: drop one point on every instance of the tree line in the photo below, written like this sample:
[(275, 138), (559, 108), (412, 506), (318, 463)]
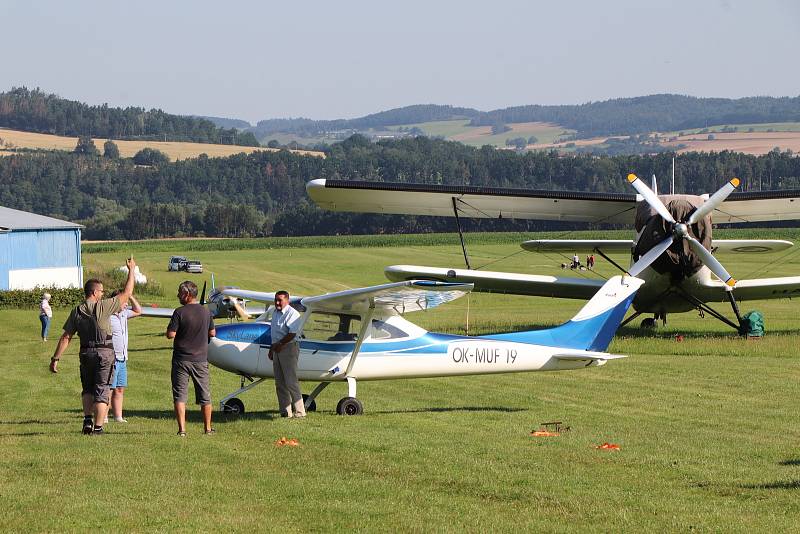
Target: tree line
[(264, 193), (36, 111)]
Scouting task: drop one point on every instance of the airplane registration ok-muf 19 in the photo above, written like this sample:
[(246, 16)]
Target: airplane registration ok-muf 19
[(359, 334)]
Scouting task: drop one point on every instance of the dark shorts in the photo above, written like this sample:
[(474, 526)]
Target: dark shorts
[(97, 368), (198, 372)]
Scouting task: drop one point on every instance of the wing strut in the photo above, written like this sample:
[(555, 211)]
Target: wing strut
[(367, 320), (609, 260), (460, 234)]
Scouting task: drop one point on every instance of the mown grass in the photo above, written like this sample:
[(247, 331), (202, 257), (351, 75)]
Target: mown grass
[(707, 427)]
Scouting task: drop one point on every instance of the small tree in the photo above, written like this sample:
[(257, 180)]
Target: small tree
[(150, 156), (532, 140), (86, 146), (273, 143), (110, 150)]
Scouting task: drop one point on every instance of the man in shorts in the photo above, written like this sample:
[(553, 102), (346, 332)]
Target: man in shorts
[(191, 326), (91, 321)]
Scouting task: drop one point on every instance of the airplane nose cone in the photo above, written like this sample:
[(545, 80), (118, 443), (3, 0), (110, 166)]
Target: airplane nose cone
[(681, 230)]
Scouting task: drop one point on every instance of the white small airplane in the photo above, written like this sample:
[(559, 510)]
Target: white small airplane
[(359, 334), (672, 249)]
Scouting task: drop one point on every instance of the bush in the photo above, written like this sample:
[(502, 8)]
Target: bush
[(30, 298), (115, 279)]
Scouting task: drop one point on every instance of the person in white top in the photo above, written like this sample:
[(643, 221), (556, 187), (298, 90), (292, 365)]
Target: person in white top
[(284, 353), (45, 315), (119, 338)]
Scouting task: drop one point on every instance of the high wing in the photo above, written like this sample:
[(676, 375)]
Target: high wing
[(499, 282), (755, 289), (401, 297), (479, 202), (625, 245), (758, 206)]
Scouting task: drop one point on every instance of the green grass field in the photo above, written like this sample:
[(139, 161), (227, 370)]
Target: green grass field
[(708, 427)]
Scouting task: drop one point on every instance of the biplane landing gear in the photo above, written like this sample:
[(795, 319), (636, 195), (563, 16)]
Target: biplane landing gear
[(233, 406), (350, 405), (648, 323)]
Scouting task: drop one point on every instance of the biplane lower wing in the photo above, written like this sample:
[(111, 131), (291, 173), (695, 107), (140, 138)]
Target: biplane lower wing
[(499, 282)]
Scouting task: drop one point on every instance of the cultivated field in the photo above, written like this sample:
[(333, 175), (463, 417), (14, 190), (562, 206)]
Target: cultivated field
[(746, 142), (12, 139), (707, 427)]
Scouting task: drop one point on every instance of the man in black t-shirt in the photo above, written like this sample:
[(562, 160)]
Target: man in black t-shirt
[(191, 326)]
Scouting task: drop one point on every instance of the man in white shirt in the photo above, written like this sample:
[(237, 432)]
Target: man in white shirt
[(45, 315), (119, 338), (284, 353)]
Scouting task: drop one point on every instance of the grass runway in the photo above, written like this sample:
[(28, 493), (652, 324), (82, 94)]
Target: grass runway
[(708, 427)]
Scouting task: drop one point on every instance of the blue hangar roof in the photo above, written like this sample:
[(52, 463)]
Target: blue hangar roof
[(11, 219)]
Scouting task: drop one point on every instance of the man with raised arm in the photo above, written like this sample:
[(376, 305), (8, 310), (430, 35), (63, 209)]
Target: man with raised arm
[(91, 321)]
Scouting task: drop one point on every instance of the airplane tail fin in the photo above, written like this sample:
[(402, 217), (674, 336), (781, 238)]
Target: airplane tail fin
[(594, 326)]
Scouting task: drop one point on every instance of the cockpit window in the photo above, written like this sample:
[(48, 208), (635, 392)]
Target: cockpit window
[(383, 330), (332, 327)]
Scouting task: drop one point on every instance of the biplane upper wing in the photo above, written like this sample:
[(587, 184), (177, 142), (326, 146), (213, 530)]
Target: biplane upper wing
[(759, 206), (470, 201), (499, 282)]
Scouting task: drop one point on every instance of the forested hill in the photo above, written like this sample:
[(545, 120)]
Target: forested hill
[(392, 117), (264, 193), (36, 111), (622, 116), (627, 116), (223, 122)]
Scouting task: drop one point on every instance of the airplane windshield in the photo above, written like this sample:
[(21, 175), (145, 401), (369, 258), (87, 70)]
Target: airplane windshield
[(324, 326), (383, 330)]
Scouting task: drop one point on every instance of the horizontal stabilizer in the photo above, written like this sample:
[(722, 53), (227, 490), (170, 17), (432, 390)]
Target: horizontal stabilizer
[(578, 245), (588, 356)]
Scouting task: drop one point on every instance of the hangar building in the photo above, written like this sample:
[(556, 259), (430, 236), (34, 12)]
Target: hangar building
[(38, 251)]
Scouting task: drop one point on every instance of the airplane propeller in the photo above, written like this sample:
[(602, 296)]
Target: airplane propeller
[(680, 230)]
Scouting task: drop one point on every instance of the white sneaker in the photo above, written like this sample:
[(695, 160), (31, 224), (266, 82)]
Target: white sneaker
[(120, 420)]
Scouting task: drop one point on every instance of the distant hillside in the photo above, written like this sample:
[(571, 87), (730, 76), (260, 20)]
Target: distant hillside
[(392, 117), (622, 116), (628, 116), (223, 122), (36, 111)]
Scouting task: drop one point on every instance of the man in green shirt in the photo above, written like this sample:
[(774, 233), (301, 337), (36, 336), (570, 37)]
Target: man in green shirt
[(91, 321)]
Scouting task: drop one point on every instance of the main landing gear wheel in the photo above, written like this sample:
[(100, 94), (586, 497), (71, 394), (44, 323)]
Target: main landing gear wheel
[(648, 324), (311, 407), (234, 406), (349, 406)]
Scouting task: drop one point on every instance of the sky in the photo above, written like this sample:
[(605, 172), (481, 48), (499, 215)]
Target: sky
[(325, 60)]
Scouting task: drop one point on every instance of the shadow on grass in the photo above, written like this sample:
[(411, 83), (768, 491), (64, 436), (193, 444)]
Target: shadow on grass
[(782, 485), (669, 334), (31, 422), (25, 434), (503, 409), (791, 461), (193, 415)]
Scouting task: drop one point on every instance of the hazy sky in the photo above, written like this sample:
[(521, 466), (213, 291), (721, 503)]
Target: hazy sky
[(325, 60)]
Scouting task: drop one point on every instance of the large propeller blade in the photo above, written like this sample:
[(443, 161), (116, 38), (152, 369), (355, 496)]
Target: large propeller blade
[(651, 256), (203, 295), (710, 261), (680, 230), (650, 197), (715, 200)]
